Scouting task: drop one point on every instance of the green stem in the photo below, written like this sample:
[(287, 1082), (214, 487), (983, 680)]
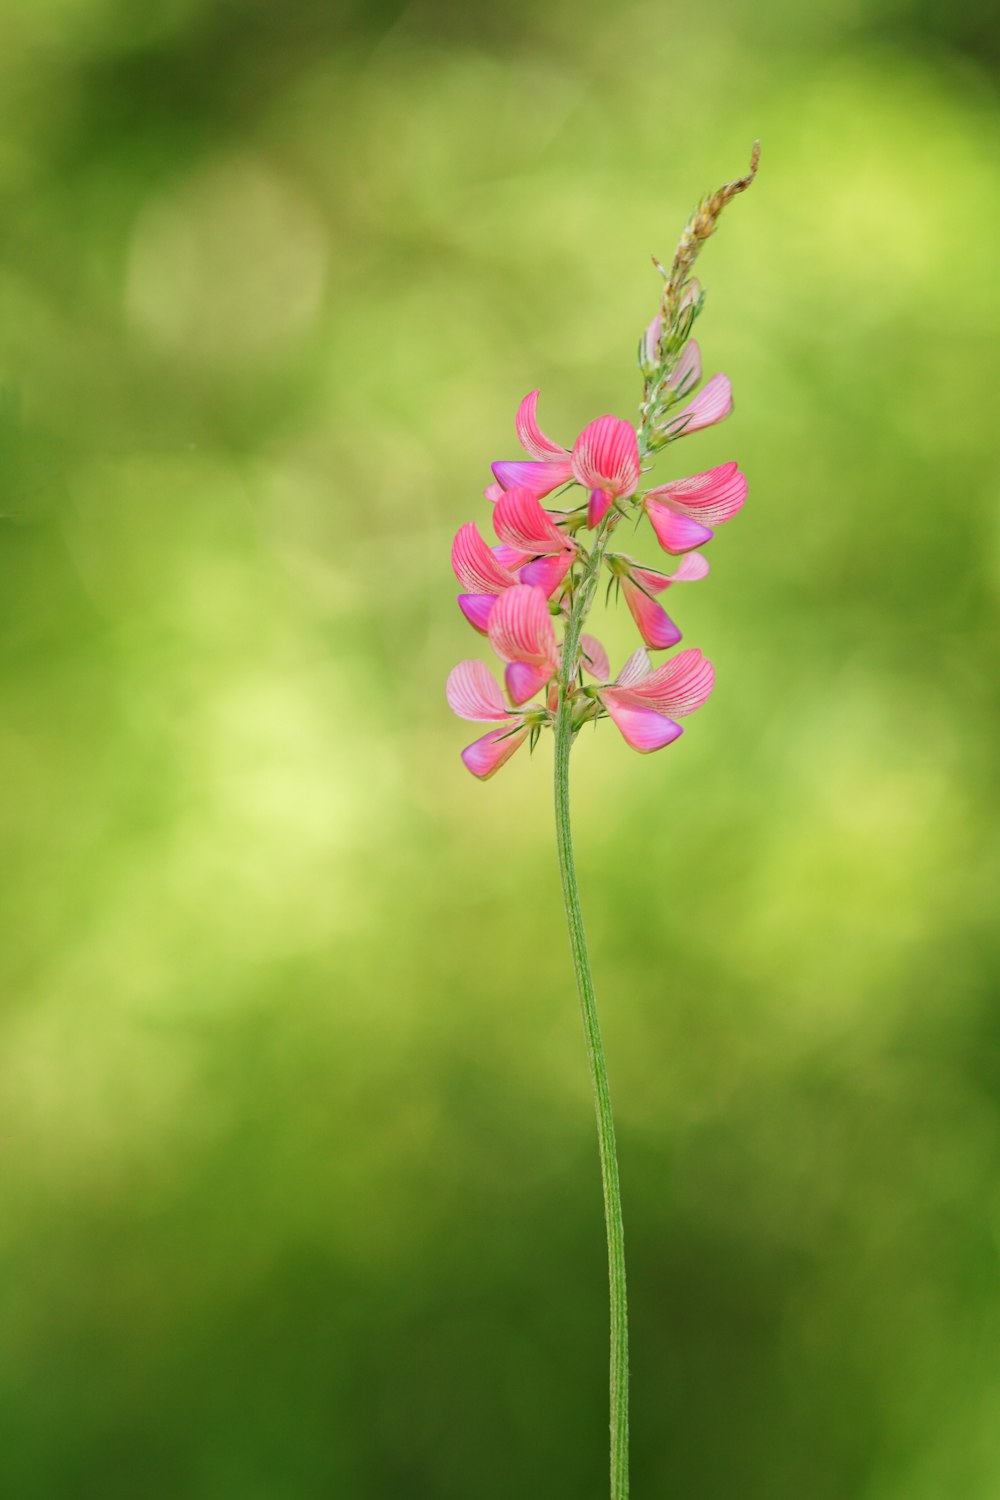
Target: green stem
[(591, 1026)]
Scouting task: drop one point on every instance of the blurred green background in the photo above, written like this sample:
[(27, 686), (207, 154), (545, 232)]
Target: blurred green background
[(299, 1191)]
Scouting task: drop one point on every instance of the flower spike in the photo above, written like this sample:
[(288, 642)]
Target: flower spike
[(531, 595)]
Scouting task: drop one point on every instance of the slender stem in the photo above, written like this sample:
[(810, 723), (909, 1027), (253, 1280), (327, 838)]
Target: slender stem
[(591, 1026)]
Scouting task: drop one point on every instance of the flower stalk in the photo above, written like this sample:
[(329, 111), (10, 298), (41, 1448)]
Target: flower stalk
[(614, 1226), (540, 575)]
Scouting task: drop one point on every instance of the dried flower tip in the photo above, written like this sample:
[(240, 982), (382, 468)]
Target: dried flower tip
[(697, 230)]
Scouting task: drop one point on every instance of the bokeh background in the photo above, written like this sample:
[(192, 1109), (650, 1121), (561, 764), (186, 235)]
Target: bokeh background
[(299, 1192)]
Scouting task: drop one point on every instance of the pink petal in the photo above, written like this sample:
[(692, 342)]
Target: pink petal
[(477, 608), (650, 579), (531, 436), (475, 566), (635, 669), (675, 533), (606, 456), (713, 402), (597, 506), (651, 340), (472, 692), (714, 496), (655, 625), (492, 492), (691, 293), (595, 658), (510, 558), (547, 573), (691, 569), (642, 728), (540, 479), (524, 681), (679, 687), (520, 521), (520, 627), (488, 754), (687, 372)]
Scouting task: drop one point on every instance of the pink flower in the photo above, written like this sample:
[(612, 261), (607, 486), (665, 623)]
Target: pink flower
[(645, 704), (649, 347), (641, 585), (521, 524), (472, 693), (520, 632), (480, 571), (551, 465), (679, 511), (712, 403), (606, 462)]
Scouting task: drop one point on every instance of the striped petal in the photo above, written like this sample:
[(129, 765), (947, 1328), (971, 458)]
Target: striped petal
[(687, 372), (642, 728), (713, 402), (485, 756), (594, 658), (675, 534), (712, 497), (509, 557), (477, 609), (476, 568), (472, 693), (606, 457), (531, 436), (520, 628), (635, 669), (521, 523), (690, 569), (540, 479), (677, 688), (655, 625)]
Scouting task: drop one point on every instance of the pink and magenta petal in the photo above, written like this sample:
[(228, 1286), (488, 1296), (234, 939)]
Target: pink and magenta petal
[(642, 728), (595, 658), (606, 457), (679, 687), (676, 534), (531, 436), (472, 692), (477, 608), (540, 479), (691, 568), (687, 372), (712, 497), (635, 669), (713, 402), (598, 506), (547, 573), (520, 628), (485, 756), (476, 568), (521, 523), (510, 558), (655, 625), (524, 681)]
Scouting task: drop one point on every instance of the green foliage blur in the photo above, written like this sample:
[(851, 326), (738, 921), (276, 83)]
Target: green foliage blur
[(300, 1196)]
